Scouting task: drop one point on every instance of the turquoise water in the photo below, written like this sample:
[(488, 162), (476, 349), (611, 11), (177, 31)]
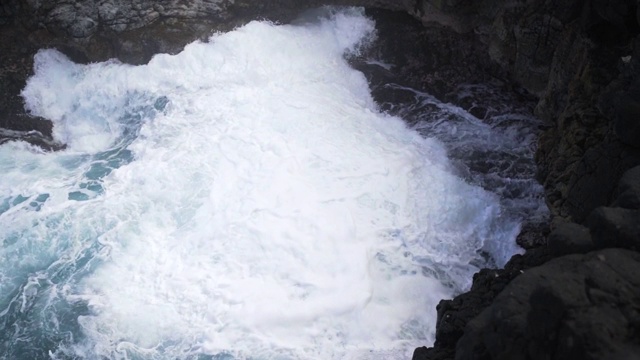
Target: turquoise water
[(244, 199)]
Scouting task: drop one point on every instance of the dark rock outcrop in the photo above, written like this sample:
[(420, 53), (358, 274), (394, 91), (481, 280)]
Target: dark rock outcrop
[(579, 58), (615, 227), (487, 284), (581, 157), (454, 314), (583, 304), (573, 307), (409, 47), (131, 31), (570, 238), (629, 190)]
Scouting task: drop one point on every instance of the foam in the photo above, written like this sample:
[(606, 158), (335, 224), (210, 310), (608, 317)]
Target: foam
[(269, 210)]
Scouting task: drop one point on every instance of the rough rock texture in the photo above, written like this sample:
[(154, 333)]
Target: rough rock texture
[(579, 57), (628, 196), (570, 238), (581, 306), (582, 59), (454, 314), (574, 307), (590, 89), (131, 31), (615, 227), (409, 47)]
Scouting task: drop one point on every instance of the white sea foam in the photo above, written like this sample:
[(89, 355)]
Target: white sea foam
[(268, 209)]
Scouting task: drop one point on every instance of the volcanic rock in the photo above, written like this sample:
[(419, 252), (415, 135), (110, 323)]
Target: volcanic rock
[(629, 190), (570, 238), (615, 227), (573, 307)]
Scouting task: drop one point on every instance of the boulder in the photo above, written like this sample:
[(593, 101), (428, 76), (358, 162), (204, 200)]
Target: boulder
[(573, 307), (570, 238), (610, 21), (615, 227), (533, 235), (629, 190), (594, 180), (627, 122), (454, 314)]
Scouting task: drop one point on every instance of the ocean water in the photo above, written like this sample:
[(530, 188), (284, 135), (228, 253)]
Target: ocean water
[(243, 199)]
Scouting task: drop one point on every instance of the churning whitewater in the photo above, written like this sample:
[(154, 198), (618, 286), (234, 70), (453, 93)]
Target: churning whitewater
[(244, 199)]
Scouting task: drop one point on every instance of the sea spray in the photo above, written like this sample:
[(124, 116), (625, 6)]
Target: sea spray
[(242, 199)]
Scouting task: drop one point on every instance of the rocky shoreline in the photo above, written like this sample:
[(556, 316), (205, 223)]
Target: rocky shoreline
[(574, 293)]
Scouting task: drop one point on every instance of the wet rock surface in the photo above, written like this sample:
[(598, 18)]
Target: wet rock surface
[(570, 238), (629, 190), (454, 314), (440, 81), (16, 64), (573, 307), (580, 62), (131, 31), (615, 227), (560, 301)]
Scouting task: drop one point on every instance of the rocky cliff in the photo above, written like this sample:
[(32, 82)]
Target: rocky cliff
[(580, 60), (131, 31), (574, 293)]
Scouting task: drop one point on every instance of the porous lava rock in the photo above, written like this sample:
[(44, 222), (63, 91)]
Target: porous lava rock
[(629, 190), (570, 238), (573, 307)]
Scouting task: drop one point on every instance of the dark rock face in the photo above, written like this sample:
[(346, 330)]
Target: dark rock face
[(581, 306), (615, 227), (610, 21), (453, 315), (629, 190), (487, 284), (577, 57), (16, 63), (594, 179), (574, 307), (131, 31), (581, 157), (581, 59), (570, 238), (627, 125), (409, 46)]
